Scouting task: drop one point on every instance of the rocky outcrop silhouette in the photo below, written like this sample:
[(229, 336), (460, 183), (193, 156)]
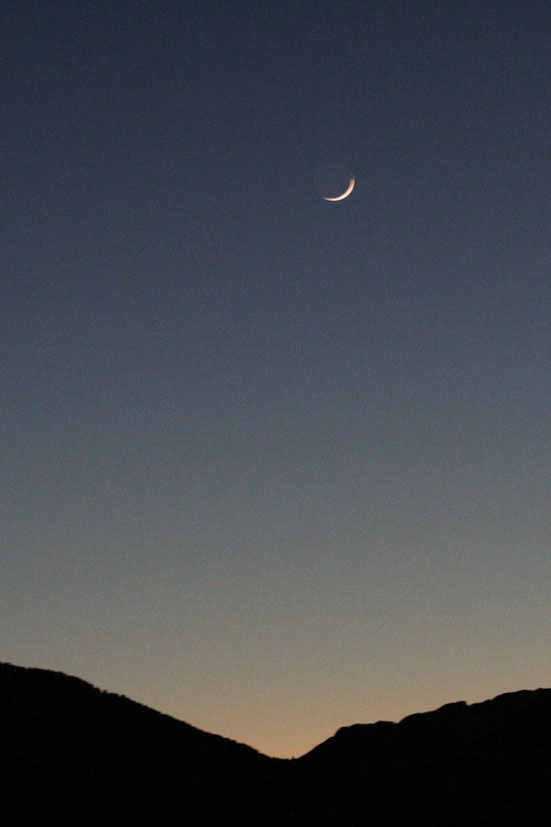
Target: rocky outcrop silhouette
[(73, 754)]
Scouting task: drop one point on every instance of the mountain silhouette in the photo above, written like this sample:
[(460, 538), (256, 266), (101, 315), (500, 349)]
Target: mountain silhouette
[(76, 755)]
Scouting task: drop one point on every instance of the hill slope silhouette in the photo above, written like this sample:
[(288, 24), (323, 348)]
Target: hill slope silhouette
[(73, 754)]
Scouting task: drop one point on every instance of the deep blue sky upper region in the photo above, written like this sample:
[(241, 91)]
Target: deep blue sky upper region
[(274, 464)]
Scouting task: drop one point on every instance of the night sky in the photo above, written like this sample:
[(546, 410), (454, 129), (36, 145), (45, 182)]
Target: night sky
[(273, 464)]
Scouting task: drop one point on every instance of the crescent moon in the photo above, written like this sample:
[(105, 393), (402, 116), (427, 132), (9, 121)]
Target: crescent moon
[(346, 193)]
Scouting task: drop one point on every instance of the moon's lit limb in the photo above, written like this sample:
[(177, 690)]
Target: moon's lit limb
[(346, 193)]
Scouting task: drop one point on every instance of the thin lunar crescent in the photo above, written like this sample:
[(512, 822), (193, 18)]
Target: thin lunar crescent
[(346, 193)]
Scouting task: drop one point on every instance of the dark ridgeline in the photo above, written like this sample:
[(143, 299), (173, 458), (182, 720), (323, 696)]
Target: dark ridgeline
[(72, 754)]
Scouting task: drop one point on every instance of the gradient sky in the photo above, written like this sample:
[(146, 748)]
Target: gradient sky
[(270, 464)]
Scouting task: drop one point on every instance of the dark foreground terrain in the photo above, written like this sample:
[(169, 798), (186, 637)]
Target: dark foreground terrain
[(72, 754)]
